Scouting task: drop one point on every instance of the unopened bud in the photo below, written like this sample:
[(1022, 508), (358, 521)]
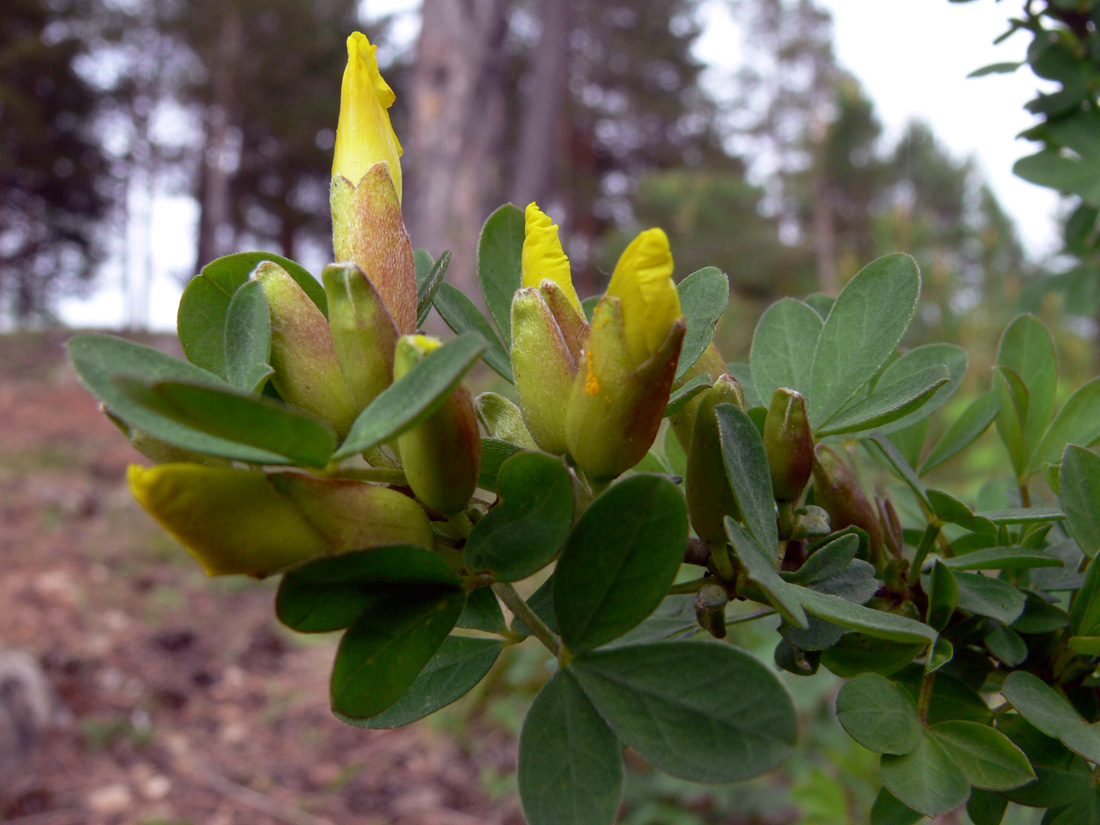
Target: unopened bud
[(711, 364), (441, 455), (710, 609), (810, 522), (789, 445), (837, 490), (307, 372), (355, 515), (363, 333), (709, 495), (543, 369)]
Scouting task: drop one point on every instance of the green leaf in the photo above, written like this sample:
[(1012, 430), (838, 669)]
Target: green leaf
[(760, 567), (248, 338), (996, 68), (910, 441), (901, 468), (827, 560), (698, 710), (912, 362), (285, 436), (1027, 348), (619, 561), (869, 318), (1012, 404), (674, 618), (951, 698), (388, 645), (679, 398), (414, 397), (857, 653), (950, 509), (1084, 612), (452, 672), (985, 807), (428, 285), (1040, 616), (1080, 497), (330, 593), (887, 403), (864, 619), (570, 763), (783, 347), (926, 779), (1051, 713), (205, 303), (524, 531), (463, 317), (887, 810), (483, 612), (943, 596), (987, 757), (750, 478), (1014, 559), (494, 452), (1078, 422), (99, 360), (499, 265), (991, 597), (963, 431), (703, 298), (878, 714)]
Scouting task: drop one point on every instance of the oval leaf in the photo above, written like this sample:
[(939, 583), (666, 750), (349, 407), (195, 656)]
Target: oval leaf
[(570, 763), (205, 303), (248, 338), (619, 560), (987, 756), (888, 402), (878, 714), (950, 356), (455, 669), (704, 295), (1080, 496), (697, 710), (243, 419), (388, 645), (869, 318), (963, 431), (750, 478), (783, 347), (499, 265), (524, 531), (926, 779)]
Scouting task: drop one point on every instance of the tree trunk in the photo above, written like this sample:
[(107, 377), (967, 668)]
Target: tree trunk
[(456, 128), (540, 130), (214, 203)]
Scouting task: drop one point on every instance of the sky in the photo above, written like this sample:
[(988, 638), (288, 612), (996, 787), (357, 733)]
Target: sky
[(912, 57)]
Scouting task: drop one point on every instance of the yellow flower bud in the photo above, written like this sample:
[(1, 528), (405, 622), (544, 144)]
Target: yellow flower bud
[(642, 280), (364, 135), (543, 259), (625, 374), (365, 196), (441, 455)]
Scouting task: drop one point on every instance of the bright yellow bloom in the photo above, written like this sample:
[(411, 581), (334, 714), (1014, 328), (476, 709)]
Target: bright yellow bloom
[(650, 303), (364, 135), (543, 258)]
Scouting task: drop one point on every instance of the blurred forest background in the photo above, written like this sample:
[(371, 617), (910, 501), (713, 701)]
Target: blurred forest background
[(592, 107)]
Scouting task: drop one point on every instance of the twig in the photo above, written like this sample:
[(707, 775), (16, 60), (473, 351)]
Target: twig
[(522, 611)]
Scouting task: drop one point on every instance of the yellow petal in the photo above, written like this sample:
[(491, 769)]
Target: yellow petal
[(650, 303), (543, 258), (364, 135)]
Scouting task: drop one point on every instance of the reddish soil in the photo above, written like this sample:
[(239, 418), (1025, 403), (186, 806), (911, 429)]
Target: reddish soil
[(178, 699)]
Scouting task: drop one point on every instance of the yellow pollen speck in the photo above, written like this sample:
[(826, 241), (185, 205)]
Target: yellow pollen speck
[(591, 383)]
